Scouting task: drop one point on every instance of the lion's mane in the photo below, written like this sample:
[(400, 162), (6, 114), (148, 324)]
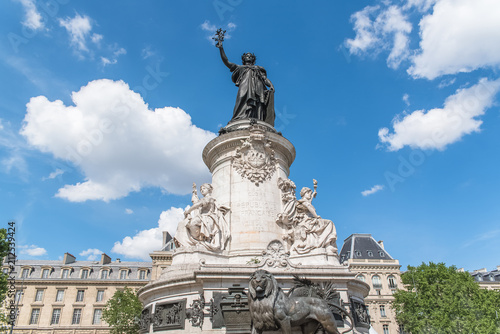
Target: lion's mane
[(261, 305)]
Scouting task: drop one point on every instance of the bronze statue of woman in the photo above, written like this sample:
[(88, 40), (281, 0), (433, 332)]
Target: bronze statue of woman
[(253, 100)]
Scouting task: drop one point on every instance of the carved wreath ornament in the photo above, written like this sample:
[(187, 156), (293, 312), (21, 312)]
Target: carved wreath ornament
[(255, 159)]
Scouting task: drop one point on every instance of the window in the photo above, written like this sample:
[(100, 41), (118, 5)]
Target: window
[(60, 295), (361, 278), (35, 314), (370, 253), (19, 296), (382, 311), (358, 253), (123, 274), (377, 283), (142, 274), (77, 314), (97, 317), (39, 295), (85, 273), (392, 282), (382, 254), (26, 273), (65, 273), (386, 329), (104, 274), (56, 315), (79, 295), (45, 273), (100, 296), (402, 330)]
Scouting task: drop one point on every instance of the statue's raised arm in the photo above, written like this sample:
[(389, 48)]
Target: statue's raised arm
[(254, 100)]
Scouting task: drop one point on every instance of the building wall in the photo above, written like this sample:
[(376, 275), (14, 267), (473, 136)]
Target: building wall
[(380, 295), (71, 285)]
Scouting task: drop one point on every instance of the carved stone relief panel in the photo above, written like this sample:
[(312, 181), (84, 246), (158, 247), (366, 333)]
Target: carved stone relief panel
[(169, 315)]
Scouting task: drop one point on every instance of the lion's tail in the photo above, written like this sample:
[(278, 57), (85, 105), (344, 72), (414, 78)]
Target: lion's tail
[(343, 310)]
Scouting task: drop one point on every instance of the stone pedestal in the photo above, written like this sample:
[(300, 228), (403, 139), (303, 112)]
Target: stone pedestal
[(247, 163)]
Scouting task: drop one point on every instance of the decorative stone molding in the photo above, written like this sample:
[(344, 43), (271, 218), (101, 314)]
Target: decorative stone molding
[(255, 158), (275, 255)]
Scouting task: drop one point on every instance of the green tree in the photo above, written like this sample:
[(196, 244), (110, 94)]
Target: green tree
[(4, 250), (122, 312), (441, 300)]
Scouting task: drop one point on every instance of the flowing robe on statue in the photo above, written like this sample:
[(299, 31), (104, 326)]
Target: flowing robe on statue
[(307, 231), (253, 99)]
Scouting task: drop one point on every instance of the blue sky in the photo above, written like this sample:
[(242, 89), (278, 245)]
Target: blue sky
[(392, 106)]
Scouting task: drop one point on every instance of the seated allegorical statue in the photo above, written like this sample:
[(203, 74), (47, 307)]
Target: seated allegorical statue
[(204, 223), (306, 229)]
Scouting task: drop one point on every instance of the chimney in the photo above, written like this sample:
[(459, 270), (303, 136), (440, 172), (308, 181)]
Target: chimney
[(68, 258), (104, 259), (118, 260), (482, 270), (381, 243), (461, 270), (498, 268)]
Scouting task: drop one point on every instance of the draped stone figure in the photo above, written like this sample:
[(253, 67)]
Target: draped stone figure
[(306, 229), (205, 223), (253, 100)]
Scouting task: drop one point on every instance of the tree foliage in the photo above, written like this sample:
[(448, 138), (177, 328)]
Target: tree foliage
[(441, 300), (122, 312), (4, 250)]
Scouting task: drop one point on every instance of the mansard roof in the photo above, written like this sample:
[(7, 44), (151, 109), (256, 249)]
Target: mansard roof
[(363, 246)]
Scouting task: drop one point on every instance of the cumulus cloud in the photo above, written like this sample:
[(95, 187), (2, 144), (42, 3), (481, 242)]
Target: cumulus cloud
[(119, 144), (33, 18), (373, 190), (32, 250), (129, 211), (454, 35), (146, 241), (459, 36), (78, 28), (406, 99), (380, 29), (440, 127)]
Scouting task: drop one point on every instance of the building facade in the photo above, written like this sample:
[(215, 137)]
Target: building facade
[(373, 265), (68, 296), (489, 280)]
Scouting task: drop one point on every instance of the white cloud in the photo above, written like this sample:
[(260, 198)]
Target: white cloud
[(373, 190), (129, 211), (231, 26), (78, 28), (33, 19), (119, 144), (406, 99), (32, 250), (120, 51), (439, 127), (446, 82), (92, 254), (147, 241), (13, 159), (459, 36), (96, 38), (54, 174), (381, 29), (105, 61), (207, 26)]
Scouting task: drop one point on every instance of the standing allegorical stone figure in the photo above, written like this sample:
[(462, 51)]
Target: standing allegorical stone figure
[(204, 223), (254, 100)]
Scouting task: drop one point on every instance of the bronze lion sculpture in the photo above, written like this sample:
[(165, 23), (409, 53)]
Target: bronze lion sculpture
[(270, 308)]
